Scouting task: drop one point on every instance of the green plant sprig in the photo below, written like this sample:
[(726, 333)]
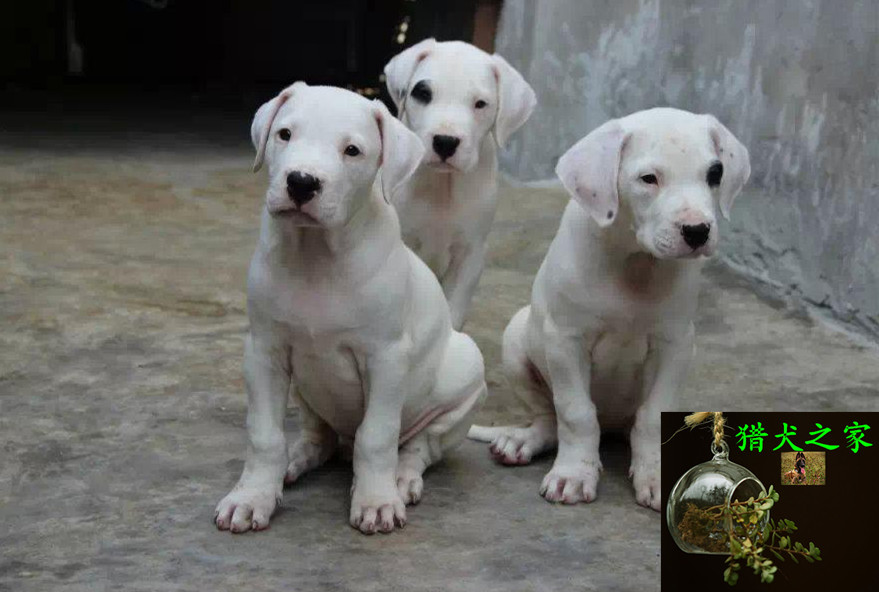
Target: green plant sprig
[(748, 546)]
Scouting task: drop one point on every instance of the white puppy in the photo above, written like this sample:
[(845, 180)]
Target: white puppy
[(609, 333), (345, 314), (453, 95)]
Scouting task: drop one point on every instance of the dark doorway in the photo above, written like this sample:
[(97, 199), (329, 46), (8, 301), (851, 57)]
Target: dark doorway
[(96, 65)]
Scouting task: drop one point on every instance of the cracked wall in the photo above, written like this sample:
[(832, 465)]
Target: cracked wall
[(797, 82)]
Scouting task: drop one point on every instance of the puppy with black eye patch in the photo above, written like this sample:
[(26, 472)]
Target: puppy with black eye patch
[(463, 103), (421, 92), (608, 336)]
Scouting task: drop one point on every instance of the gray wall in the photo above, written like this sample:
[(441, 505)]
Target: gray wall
[(797, 81)]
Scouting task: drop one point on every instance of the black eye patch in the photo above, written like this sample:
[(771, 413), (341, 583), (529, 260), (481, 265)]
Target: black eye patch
[(421, 92), (714, 175)]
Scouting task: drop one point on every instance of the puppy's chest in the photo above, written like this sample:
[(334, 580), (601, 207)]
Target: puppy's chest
[(329, 377), (314, 309), (436, 227), (324, 324)]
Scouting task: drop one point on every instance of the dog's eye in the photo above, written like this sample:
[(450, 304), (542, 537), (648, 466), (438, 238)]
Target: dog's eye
[(714, 175), (650, 179), (421, 92), (481, 104), (352, 150), (284, 134)]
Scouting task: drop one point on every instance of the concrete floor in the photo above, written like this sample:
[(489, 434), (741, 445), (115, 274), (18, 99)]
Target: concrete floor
[(122, 275)]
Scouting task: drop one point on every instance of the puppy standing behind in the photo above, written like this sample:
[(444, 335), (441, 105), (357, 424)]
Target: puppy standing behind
[(454, 95), (345, 314), (608, 336)]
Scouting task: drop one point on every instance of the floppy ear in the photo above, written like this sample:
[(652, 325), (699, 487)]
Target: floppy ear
[(398, 72), (735, 160), (515, 100), (590, 168), (402, 150), (262, 122)]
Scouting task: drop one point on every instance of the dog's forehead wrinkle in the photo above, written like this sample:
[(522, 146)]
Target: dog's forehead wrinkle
[(332, 124), (457, 74), (338, 135), (356, 138), (458, 51), (671, 160), (670, 126), (326, 103)]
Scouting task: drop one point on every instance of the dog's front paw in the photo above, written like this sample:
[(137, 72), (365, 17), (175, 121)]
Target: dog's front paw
[(571, 484), (246, 508), (377, 510), (645, 478)]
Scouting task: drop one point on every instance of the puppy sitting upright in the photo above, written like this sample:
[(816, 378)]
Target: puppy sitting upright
[(453, 95), (799, 472), (344, 316), (609, 333)]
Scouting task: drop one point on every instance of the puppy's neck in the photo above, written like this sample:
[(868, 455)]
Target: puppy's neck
[(322, 243), (440, 186), (639, 273)]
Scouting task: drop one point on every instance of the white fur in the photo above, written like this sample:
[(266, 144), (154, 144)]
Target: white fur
[(446, 208), (346, 318), (608, 336)]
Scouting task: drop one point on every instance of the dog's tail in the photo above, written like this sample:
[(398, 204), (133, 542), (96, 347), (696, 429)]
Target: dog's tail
[(487, 433)]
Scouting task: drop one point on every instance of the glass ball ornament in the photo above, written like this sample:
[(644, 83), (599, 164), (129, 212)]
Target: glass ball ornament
[(693, 505)]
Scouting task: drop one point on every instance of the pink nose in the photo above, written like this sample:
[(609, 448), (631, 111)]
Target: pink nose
[(690, 217)]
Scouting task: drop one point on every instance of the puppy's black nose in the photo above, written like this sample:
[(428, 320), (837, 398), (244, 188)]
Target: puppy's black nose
[(302, 187), (445, 146), (695, 236)]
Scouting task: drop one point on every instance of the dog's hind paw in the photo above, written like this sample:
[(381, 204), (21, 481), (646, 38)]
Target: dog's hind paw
[(306, 455), (512, 449), (410, 486)]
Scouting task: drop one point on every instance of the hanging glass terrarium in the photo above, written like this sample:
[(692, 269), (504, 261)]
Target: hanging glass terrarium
[(698, 513)]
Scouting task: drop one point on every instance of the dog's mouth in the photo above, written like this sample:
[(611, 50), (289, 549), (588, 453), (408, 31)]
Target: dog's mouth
[(297, 217), (442, 166), (698, 252), (704, 251)]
